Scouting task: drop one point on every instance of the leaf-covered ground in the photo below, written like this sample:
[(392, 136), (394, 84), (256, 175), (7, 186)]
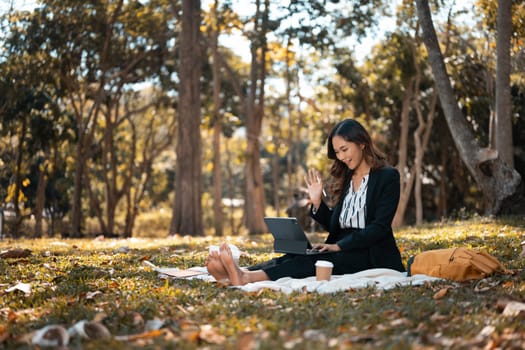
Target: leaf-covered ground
[(104, 281)]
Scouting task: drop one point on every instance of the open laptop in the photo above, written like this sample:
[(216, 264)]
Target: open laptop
[(288, 236)]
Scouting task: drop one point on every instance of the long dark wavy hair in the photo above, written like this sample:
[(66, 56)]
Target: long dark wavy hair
[(352, 131)]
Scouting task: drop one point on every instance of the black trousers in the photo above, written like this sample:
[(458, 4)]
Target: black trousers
[(301, 266)]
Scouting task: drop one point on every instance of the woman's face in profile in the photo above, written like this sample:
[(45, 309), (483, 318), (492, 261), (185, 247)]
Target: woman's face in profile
[(348, 152)]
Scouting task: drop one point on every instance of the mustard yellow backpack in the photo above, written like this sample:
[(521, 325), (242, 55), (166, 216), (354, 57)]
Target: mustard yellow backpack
[(457, 264)]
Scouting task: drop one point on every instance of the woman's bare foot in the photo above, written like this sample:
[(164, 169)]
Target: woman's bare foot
[(237, 276), (215, 267)]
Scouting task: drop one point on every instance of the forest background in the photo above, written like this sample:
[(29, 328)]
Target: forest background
[(134, 118)]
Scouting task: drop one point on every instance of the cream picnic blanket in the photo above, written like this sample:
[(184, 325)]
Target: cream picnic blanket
[(378, 278)]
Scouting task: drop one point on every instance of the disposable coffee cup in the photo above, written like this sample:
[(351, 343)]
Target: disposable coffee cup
[(323, 270)]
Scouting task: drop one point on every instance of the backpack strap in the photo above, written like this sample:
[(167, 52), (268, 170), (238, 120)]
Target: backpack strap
[(486, 262)]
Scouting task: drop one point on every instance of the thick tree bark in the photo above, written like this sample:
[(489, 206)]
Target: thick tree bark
[(503, 125), (497, 181), (254, 195), (187, 208)]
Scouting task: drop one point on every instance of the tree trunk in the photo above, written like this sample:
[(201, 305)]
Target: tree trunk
[(421, 138), (18, 180), (230, 185), (497, 181), (503, 122), (443, 193), (275, 172), (40, 200), (255, 201), (132, 202), (291, 129), (187, 208), (76, 201), (254, 197), (407, 180), (217, 179), (422, 133), (217, 129), (109, 176)]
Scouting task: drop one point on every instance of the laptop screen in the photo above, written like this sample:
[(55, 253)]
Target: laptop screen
[(287, 229)]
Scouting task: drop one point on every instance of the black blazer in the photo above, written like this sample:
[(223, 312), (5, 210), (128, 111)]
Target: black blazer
[(382, 198)]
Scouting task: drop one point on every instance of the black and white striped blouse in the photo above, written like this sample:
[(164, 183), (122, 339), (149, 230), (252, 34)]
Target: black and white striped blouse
[(354, 208)]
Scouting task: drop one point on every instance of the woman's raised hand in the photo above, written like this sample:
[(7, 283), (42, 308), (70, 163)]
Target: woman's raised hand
[(314, 185)]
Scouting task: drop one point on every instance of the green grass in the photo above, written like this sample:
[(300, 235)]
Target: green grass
[(197, 314)]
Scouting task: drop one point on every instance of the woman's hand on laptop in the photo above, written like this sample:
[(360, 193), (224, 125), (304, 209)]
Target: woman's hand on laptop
[(323, 247)]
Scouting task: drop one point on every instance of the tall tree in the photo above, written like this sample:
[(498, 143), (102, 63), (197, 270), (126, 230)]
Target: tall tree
[(213, 32), (187, 206), (254, 189), (498, 181), (503, 118)]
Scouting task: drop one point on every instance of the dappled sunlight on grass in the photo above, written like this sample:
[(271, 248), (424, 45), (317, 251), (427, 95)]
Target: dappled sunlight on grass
[(85, 279), (499, 237)]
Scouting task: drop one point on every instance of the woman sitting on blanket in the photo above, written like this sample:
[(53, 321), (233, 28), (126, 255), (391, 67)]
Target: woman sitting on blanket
[(360, 235)]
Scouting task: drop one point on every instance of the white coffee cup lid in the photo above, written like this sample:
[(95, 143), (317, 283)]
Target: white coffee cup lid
[(323, 263)]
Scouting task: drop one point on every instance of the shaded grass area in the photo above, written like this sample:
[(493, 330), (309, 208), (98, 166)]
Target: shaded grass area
[(73, 280)]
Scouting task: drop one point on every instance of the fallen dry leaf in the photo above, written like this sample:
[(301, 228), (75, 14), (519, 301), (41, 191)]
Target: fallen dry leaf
[(190, 334), (114, 285), (92, 295), (403, 321), (89, 330), (182, 309), (4, 335), (437, 317), (484, 285), (441, 293), (189, 330), (144, 335), (210, 334), (246, 341), (508, 284), (514, 308), (487, 331), (51, 335), (293, 343), (23, 287), (15, 254)]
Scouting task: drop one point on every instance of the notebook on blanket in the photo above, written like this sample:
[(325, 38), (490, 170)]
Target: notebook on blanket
[(289, 236)]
